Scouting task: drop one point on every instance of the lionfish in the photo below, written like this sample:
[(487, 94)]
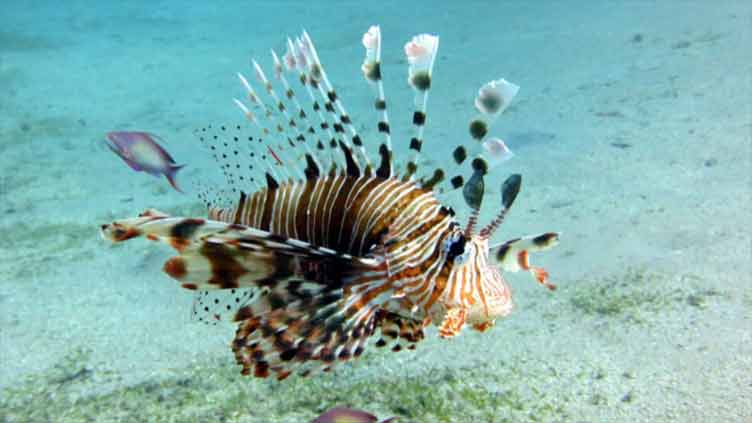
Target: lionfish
[(333, 251)]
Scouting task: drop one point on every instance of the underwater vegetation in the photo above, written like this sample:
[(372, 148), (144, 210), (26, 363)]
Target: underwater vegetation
[(209, 393), (639, 293), (503, 388)]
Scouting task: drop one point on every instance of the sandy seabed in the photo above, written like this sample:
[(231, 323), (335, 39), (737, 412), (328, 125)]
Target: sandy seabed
[(631, 130)]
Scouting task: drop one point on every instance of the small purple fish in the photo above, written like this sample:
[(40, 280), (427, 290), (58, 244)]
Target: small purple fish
[(142, 153), (349, 415)]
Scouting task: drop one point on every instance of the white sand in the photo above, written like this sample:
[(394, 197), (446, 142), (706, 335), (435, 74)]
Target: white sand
[(675, 199)]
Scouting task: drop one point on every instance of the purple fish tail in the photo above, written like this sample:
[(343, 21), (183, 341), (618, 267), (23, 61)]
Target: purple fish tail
[(170, 175)]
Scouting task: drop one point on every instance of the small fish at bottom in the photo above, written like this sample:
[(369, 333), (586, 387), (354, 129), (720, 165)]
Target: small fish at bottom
[(349, 415), (142, 153)]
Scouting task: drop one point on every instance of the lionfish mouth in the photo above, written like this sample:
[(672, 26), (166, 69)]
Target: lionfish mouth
[(326, 247)]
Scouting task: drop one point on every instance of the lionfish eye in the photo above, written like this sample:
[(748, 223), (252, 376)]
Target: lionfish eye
[(456, 247)]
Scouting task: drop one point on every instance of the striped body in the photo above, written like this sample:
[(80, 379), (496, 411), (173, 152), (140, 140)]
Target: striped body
[(343, 213), (407, 224)]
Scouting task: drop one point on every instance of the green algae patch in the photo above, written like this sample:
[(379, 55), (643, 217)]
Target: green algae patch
[(71, 391), (640, 292)]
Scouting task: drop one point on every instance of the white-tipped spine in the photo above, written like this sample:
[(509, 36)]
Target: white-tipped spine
[(371, 65), (281, 150), (421, 54), (299, 109), (296, 134), (268, 163), (328, 88), (301, 66)]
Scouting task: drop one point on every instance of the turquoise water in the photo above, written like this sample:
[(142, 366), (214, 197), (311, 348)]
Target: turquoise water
[(631, 131)]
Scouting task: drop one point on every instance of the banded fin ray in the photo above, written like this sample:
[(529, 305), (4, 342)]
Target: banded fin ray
[(326, 302), (216, 254), (514, 255)]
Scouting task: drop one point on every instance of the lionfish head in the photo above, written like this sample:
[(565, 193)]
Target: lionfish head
[(493, 297), (488, 291)]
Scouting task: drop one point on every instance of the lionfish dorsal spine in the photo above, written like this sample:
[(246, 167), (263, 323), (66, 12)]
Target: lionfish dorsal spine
[(313, 160), (295, 138), (372, 73), (295, 62), (261, 159), (341, 115), (421, 54), (338, 119), (282, 150)]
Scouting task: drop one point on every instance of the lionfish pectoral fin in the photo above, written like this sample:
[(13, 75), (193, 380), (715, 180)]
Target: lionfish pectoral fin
[(514, 255), (149, 223), (482, 327), (398, 331), (220, 255), (322, 315), (204, 261), (215, 306), (454, 321), (301, 330)]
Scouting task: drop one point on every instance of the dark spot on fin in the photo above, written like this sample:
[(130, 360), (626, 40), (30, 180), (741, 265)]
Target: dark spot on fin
[(502, 253), (473, 190), (384, 170), (312, 171), (480, 165), (186, 228), (478, 129), (239, 212), (412, 167), (421, 80), (545, 239), (459, 154), (510, 189), (352, 168), (415, 144), (374, 72), (446, 211), (271, 182), (419, 118), (438, 176)]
